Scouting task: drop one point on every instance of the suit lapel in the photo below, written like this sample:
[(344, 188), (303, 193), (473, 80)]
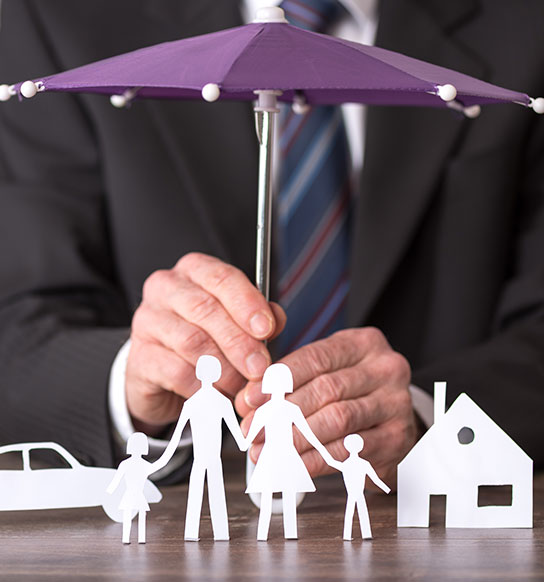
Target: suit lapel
[(406, 148)]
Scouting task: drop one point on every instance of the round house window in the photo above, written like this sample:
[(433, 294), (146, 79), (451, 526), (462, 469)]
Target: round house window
[(465, 436)]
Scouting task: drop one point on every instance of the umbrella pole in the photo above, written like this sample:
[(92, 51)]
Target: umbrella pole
[(266, 109)]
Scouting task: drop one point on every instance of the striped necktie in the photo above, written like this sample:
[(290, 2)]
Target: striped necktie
[(312, 206)]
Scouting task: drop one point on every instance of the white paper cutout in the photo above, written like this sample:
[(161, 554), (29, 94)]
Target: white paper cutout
[(280, 468), (134, 472), (63, 487), (205, 410), (354, 471), (439, 464)]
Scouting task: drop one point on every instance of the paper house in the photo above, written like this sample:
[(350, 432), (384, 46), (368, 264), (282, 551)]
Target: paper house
[(461, 452)]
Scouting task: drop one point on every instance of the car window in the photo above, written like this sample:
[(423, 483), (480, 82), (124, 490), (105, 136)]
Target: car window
[(11, 461), (46, 459)]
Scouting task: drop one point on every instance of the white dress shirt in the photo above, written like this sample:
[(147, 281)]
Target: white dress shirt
[(360, 25)]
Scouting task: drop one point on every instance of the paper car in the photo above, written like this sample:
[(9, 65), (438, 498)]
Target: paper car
[(56, 488)]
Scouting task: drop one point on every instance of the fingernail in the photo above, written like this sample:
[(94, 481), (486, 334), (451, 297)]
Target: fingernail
[(254, 396), (260, 324), (256, 364), (244, 426)]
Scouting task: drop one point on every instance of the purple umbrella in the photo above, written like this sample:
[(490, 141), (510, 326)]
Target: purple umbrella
[(270, 60)]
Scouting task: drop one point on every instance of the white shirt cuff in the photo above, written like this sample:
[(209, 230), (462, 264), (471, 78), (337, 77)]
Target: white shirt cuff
[(122, 424), (423, 405)]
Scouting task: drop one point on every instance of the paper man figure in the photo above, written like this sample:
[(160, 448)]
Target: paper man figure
[(354, 470), (280, 468), (135, 472), (205, 410)]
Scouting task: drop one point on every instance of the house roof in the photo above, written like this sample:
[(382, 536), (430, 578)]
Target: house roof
[(440, 444)]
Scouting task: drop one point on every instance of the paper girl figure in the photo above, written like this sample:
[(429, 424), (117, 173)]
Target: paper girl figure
[(280, 468), (135, 470), (354, 470)]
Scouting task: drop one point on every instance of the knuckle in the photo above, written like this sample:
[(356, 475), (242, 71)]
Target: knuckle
[(392, 366), (373, 336), (220, 275), (340, 417), (401, 367), (327, 389), (195, 341), (319, 356), (234, 340), (202, 306), (189, 261), (155, 283)]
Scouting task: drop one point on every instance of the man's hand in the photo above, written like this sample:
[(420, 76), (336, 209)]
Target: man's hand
[(201, 306), (351, 382)]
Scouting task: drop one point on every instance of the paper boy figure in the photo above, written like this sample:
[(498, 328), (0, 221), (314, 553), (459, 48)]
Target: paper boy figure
[(354, 470)]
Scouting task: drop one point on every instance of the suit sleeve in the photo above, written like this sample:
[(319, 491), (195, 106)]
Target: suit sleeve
[(62, 314), (505, 374)]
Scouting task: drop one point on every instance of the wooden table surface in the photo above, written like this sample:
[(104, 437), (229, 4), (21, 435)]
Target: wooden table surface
[(83, 544)]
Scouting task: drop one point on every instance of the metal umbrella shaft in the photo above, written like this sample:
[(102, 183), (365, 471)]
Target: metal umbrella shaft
[(266, 109)]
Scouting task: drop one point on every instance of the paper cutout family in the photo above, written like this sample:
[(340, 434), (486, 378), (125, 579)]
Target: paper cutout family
[(442, 462), (279, 469)]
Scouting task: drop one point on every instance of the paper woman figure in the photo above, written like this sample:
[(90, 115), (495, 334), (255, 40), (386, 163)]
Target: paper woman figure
[(280, 468), (354, 470), (135, 470)]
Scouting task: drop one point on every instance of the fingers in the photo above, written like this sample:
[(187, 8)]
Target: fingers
[(230, 287), (197, 306), (338, 351), (312, 364), (342, 417), (148, 368), (188, 341), (380, 370), (201, 306)]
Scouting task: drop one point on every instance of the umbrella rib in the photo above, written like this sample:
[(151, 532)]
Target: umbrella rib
[(240, 54)]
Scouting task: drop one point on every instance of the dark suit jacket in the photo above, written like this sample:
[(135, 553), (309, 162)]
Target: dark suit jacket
[(449, 224)]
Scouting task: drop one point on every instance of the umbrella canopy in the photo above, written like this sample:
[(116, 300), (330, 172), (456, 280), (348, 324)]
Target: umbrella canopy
[(274, 55)]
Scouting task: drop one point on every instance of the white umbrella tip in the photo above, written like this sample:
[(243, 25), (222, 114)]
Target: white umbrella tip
[(211, 92), (6, 92), (446, 92), (537, 105), (270, 14), (118, 101), (473, 111), (29, 89), (300, 107)]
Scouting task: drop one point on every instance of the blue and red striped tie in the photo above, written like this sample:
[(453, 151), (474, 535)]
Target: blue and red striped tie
[(313, 206)]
